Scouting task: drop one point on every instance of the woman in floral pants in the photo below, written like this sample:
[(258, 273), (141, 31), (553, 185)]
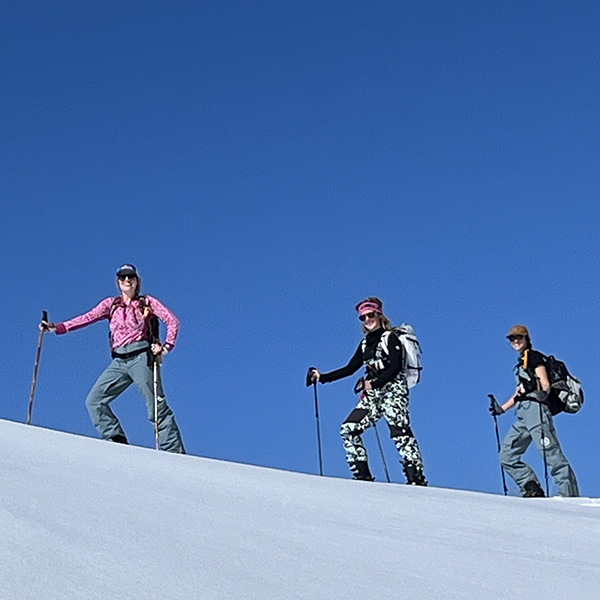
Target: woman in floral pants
[(384, 394)]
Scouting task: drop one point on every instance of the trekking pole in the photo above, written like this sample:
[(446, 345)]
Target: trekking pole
[(155, 363), (318, 429), (544, 450), (492, 400), (387, 475), (35, 367)]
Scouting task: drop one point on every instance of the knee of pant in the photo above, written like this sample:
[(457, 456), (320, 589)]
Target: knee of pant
[(356, 416), (163, 410), (400, 431), (351, 425), (92, 401), (349, 430), (504, 456)]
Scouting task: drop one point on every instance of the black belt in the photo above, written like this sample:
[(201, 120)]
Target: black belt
[(131, 354)]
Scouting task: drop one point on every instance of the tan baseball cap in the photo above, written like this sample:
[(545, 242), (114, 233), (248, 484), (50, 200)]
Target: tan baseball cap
[(518, 330)]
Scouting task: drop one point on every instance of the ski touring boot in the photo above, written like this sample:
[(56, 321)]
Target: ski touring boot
[(360, 470), (533, 490), (414, 474)]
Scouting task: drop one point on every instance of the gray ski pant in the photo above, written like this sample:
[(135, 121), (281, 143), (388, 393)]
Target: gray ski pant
[(115, 379), (528, 428)]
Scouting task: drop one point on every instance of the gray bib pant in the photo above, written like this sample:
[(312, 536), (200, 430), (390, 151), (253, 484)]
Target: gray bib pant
[(115, 379), (526, 429)]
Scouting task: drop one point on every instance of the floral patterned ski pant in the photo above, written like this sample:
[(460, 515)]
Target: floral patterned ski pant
[(391, 403)]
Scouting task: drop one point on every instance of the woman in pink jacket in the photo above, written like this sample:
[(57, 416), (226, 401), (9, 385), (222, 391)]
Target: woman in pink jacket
[(134, 347)]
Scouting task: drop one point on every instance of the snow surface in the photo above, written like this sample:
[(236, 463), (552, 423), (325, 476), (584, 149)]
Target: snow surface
[(85, 519)]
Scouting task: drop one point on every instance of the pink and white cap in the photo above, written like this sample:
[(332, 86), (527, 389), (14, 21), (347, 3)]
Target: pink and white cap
[(369, 305)]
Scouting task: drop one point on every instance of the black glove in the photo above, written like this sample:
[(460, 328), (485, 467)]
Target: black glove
[(495, 408), (309, 376)]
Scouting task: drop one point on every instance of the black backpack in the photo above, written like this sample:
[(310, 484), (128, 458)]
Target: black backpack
[(565, 394)]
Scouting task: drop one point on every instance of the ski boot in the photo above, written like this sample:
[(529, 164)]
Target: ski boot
[(533, 490), (414, 474), (360, 470)]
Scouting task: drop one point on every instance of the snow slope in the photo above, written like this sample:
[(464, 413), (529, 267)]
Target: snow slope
[(84, 519)]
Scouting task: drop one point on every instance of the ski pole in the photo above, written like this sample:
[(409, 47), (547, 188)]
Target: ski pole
[(387, 475), (492, 400), (155, 362), (544, 450), (35, 366), (318, 429)]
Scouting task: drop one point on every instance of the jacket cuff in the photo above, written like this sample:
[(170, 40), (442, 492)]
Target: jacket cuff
[(60, 328), (168, 347)]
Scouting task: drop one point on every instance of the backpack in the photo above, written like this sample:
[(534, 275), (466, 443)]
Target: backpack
[(566, 394), (411, 367), (151, 325)]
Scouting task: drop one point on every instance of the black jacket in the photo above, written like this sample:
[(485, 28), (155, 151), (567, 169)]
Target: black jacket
[(392, 362)]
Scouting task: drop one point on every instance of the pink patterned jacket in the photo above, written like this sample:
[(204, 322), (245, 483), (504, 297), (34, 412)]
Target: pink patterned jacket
[(127, 322)]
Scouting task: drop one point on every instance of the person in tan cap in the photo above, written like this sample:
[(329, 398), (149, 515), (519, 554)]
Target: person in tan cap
[(533, 424)]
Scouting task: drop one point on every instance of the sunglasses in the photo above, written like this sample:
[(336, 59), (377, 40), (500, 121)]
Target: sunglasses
[(124, 277), (368, 315), (515, 338)]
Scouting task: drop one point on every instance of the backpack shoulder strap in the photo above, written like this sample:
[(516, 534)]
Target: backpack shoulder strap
[(399, 331), (150, 319), (384, 341), (531, 371), (117, 301), (524, 360), (144, 305)]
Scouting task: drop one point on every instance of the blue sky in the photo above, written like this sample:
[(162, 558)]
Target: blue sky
[(268, 164)]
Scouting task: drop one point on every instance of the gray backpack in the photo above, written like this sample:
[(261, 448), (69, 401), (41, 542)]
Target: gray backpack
[(411, 367)]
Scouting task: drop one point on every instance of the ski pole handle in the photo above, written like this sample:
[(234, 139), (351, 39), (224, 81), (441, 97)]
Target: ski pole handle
[(309, 376), (45, 323), (495, 408)]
